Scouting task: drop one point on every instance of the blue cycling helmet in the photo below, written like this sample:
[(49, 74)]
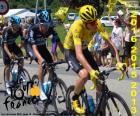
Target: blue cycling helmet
[(44, 17), (15, 19)]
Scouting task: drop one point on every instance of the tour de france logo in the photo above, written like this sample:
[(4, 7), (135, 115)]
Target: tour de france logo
[(27, 95)]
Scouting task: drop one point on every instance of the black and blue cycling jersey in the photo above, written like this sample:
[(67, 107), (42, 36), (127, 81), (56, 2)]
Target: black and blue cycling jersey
[(37, 37), (10, 37)]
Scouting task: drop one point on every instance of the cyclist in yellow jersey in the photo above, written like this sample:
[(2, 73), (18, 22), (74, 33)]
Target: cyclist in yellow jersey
[(76, 42)]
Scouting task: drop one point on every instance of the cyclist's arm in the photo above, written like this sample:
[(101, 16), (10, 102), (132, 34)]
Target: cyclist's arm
[(106, 37), (91, 43), (7, 50), (5, 35), (35, 49), (37, 54)]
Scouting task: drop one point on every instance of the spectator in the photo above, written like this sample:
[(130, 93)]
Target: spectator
[(96, 51), (100, 50), (117, 33), (127, 36), (104, 52)]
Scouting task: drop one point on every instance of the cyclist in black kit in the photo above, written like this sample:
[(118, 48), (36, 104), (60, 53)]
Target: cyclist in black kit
[(10, 48), (37, 35)]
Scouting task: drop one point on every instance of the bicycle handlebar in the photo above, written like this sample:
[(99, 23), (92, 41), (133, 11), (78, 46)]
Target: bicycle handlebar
[(18, 59), (55, 63), (52, 65), (105, 73)]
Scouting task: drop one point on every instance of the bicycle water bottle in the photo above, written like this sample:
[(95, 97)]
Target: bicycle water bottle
[(91, 103), (14, 74), (47, 87)]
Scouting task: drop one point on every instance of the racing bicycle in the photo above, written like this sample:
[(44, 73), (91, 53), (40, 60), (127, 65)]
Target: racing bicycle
[(22, 78), (56, 94), (108, 104)]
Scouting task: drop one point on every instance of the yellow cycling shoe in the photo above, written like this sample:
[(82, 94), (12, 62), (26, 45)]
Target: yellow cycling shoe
[(77, 108)]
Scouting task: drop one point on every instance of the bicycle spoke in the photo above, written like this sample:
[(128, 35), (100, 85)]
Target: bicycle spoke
[(115, 107), (115, 104), (108, 107)]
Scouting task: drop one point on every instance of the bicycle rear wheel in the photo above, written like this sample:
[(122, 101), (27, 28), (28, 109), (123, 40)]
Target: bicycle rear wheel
[(23, 79), (83, 102), (116, 106)]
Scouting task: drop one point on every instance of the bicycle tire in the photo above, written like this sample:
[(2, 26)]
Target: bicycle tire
[(114, 96), (26, 77), (4, 78), (61, 96), (83, 102)]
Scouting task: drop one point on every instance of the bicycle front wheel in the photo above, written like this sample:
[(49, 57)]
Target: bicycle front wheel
[(60, 96), (116, 106), (82, 99), (56, 104)]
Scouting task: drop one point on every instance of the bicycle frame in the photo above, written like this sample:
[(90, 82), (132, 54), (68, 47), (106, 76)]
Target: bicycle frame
[(53, 77), (19, 69), (104, 93)]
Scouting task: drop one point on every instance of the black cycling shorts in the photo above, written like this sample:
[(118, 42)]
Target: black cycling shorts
[(13, 48), (45, 53), (74, 63)]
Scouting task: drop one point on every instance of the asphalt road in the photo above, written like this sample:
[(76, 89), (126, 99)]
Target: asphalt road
[(122, 87)]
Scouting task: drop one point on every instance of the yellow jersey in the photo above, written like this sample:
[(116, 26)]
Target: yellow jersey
[(79, 34)]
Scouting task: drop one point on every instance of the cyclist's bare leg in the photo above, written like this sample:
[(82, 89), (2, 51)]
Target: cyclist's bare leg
[(40, 74), (7, 72), (83, 74)]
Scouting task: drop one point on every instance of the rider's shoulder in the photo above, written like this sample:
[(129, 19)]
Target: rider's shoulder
[(78, 22), (78, 25)]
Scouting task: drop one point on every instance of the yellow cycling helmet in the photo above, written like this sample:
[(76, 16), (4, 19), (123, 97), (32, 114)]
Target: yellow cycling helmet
[(88, 13)]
